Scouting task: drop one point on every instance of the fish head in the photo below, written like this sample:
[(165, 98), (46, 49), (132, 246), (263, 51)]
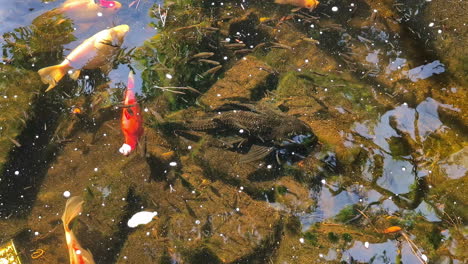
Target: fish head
[(114, 5), (119, 32), (311, 4)]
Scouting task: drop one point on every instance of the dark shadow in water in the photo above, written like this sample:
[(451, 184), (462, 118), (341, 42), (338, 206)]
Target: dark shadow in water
[(31, 160)]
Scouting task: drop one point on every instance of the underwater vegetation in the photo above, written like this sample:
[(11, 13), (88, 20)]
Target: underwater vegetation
[(272, 133)]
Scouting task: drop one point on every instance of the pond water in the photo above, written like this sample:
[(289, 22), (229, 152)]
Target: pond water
[(254, 131)]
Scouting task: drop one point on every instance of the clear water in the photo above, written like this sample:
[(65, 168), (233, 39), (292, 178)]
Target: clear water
[(382, 85)]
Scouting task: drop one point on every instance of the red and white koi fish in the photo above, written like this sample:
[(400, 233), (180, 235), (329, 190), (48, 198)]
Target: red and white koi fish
[(132, 119), (78, 255)]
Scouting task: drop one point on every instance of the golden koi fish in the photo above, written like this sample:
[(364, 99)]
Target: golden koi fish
[(310, 4), (97, 51), (78, 255)]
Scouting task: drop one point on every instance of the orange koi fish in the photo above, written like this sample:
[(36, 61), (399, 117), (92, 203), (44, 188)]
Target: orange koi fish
[(310, 4), (87, 10), (132, 120), (97, 51), (78, 255)]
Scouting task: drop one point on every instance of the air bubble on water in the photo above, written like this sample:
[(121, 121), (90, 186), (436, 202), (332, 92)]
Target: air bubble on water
[(301, 240), (147, 233), (241, 131), (439, 31), (424, 257), (219, 95), (335, 9), (225, 57), (269, 166), (86, 77), (403, 168), (375, 11), (168, 76), (366, 244), (99, 14), (197, 222), (173, 164), (323, 181), (78, 252), (16, 172), (66, 194), (189, 147), (36, 233), (70, 72), (431, 24), (96, 169)]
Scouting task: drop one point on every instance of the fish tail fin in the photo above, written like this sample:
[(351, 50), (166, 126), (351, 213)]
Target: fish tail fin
[(53, 74), (73, 208)]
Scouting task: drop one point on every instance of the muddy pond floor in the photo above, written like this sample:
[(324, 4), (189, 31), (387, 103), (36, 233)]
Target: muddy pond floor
[(272, 133)]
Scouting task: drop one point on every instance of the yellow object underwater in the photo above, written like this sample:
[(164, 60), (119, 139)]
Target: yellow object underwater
[(8, 253)]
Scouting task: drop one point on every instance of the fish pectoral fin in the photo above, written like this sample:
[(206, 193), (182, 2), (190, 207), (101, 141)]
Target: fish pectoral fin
[(255, 153), (75, 75)]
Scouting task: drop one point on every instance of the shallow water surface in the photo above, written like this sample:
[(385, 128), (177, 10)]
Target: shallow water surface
[(272, 133)]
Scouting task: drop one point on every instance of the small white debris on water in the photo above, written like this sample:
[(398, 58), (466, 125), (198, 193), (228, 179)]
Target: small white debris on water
[(66, 194), (301, 240), (16, 172), (228, 39), (320, 255), (99, 14), (70, 72), (269, 166), (78, 252), (375, 11), (323, 181), (241, 131), (306, 61), (173, 164), (431, 24), (237, 209), (141, 218), (36, 233), (424, 257), (439, 31), (146, 109), (168, 76), (219, 95), (312, 25), (335, 9), (352, 4), (197, 222), (403, 168), (96, 169), (366, 244), (189, 147), (147, 233), (86, 77)]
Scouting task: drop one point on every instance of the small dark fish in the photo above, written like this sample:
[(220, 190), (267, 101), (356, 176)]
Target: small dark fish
[(243, 51), (202, 55), (235, 46), (209, 61), (212, 70)]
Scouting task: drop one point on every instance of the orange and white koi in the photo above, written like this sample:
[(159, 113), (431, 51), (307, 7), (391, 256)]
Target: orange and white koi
[(310, 4), (88, 10), (78, 255), (97, 51), (132, 119)]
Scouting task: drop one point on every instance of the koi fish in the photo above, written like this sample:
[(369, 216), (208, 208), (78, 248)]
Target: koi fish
[(310, 4), (132, 121), (87, 10), (78, 255), (97, 51)]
